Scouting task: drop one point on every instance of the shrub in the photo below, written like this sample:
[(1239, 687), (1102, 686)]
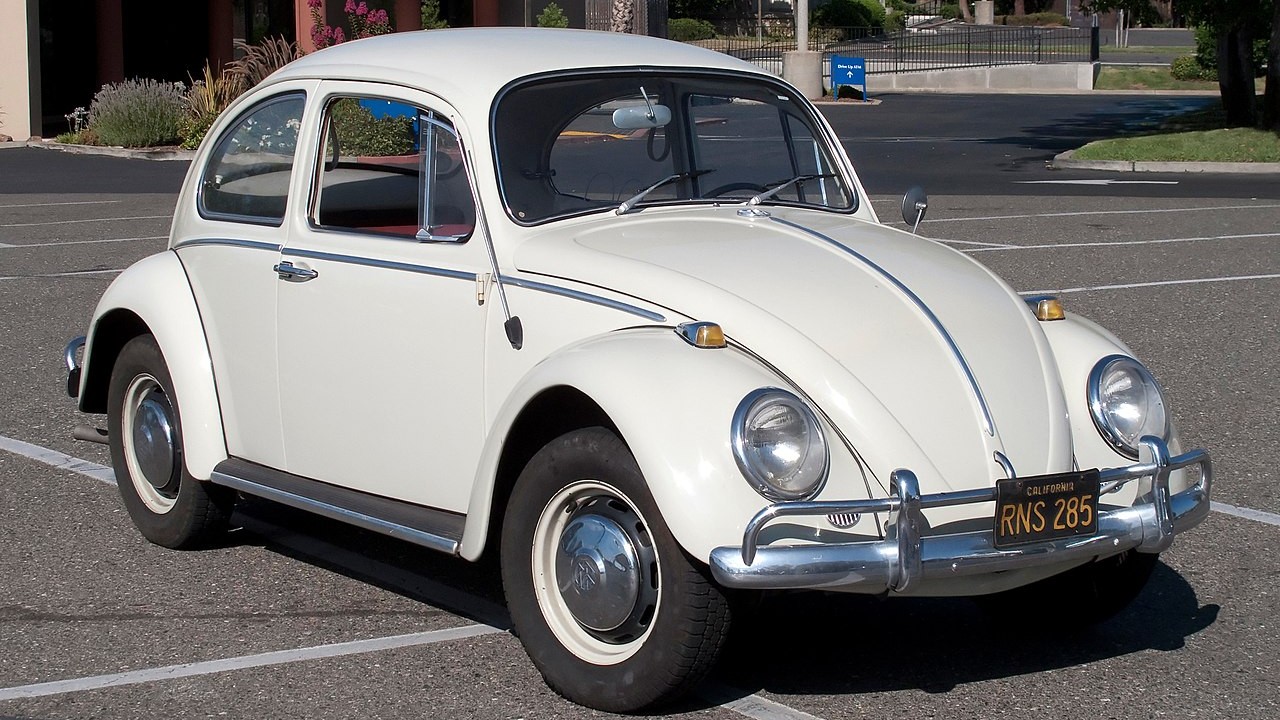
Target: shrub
[(1188, 67), (950, 11), (205, 101), (364, 135), (1207, 51), (1039, 19), (895, 21), (688, 29), (258, 61), (552, 17), (850, 13), (431, 19), (137, 113)]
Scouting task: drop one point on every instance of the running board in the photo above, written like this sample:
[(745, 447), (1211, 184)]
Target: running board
[(431, 528)]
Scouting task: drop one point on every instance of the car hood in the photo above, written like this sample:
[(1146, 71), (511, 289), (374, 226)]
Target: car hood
[(900, 340)]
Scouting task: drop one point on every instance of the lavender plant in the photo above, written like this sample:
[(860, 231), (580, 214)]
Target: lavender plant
[(137, 113)]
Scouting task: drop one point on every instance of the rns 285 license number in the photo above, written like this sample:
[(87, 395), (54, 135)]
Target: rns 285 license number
[(1047, 507)]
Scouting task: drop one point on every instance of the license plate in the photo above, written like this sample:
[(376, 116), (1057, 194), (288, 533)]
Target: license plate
[(1046, 507)]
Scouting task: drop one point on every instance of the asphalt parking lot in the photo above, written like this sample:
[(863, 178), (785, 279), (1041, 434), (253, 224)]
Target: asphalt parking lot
[(299, 617)]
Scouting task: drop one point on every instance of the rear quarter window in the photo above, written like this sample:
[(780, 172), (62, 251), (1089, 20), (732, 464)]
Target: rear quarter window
[(246, 178)]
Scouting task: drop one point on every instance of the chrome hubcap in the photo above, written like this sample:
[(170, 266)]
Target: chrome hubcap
[(595, 572), (152, 449), (153, 436)]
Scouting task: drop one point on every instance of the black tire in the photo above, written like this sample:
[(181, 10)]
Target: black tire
[(1082, 596), (675, 620), (166, 504)]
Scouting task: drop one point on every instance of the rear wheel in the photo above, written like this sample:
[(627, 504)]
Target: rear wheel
[(613, 613), (168, 506)]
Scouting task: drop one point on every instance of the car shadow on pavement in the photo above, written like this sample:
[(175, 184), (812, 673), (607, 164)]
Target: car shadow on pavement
[(790, 643), (824, 643)]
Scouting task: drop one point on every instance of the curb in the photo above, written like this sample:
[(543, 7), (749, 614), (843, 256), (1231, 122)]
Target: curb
[(1067, 161), (120, 152)]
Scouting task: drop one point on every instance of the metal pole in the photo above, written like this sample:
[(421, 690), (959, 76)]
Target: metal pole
[(802, 25)]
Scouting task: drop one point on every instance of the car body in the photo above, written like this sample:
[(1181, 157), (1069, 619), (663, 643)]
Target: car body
[(619, 310)]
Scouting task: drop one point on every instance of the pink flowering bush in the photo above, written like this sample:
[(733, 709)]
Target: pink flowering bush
[(363, 21)]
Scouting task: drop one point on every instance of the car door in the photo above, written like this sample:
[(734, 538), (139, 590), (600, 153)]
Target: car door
[(228, 235), (380, 321)]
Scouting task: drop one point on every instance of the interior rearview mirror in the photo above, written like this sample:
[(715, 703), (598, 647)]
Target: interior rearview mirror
[(640, 117)]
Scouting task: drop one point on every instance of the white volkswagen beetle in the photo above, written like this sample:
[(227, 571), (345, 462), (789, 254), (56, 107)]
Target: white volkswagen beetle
[(619, 310)]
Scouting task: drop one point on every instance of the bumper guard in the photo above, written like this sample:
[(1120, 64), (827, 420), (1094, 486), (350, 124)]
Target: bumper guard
[(905, 558)]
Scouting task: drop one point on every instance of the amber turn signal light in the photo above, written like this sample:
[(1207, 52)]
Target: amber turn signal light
[(702, 334)]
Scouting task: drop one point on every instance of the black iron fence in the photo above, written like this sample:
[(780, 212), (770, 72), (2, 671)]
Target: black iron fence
[(950, 46)]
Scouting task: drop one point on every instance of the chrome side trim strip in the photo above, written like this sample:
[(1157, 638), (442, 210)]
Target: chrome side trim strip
[(228, 242), (385, 264), (988, 424), (231, 473), (585, 297)]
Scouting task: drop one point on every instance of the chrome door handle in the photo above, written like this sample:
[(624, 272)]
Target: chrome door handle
[(288, 271)]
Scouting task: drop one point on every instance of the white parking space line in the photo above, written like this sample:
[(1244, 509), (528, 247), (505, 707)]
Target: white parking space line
[(1246, 513), (1158, 283), (89, 220), (53, 458), (1078, 213), (280, 657), (83, 242), (74, 273), (752, 706), (55, 204), (1123, 243)]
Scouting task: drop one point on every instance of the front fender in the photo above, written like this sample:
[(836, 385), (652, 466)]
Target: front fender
[(1078, 344), (673, 405), (155, 296)]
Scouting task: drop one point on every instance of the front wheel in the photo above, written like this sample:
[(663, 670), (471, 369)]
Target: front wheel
[(612, 612), (168, 506)]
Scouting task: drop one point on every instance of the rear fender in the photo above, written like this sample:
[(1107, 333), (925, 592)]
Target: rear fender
[(153, 296)]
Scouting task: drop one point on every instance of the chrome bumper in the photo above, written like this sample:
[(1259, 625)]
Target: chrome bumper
[(905, 558)]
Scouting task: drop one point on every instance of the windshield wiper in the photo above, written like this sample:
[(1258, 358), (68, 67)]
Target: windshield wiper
[(797, 180), (629, 204)]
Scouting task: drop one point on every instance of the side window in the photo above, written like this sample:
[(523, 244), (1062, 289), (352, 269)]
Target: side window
[(393, 169), (247, 175)]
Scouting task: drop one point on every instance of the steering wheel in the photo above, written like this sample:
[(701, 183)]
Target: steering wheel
[(730, 187), (447, 165)]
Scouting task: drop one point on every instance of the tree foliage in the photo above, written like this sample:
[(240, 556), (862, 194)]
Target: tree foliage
[(1237, 23)]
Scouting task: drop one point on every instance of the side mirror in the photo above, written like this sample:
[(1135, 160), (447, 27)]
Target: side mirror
[(914, 204)]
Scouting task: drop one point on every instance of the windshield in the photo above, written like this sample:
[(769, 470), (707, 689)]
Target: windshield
[(621, 142)]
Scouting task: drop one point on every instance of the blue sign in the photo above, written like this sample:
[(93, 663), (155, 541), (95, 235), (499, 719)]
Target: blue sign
[(848, 71)]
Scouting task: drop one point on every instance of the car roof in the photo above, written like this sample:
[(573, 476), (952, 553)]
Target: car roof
[(467, 65)]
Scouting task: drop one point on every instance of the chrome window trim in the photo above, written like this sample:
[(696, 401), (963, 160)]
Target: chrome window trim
[(585, 297), (988, 423), (375, 263), (838, 157), (228, 242), (259, 220)]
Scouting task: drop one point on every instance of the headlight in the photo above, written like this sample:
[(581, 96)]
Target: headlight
[(779, 445), (1126, 403)]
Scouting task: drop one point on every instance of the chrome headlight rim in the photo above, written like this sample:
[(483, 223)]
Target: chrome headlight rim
[(749, 407), (1098, 407)]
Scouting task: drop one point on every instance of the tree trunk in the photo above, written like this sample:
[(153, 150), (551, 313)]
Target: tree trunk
[(1271, 101), (1235, 75), (964, 12), (1019, 7)]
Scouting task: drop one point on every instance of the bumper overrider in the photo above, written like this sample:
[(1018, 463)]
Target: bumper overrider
[(905, 557)]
